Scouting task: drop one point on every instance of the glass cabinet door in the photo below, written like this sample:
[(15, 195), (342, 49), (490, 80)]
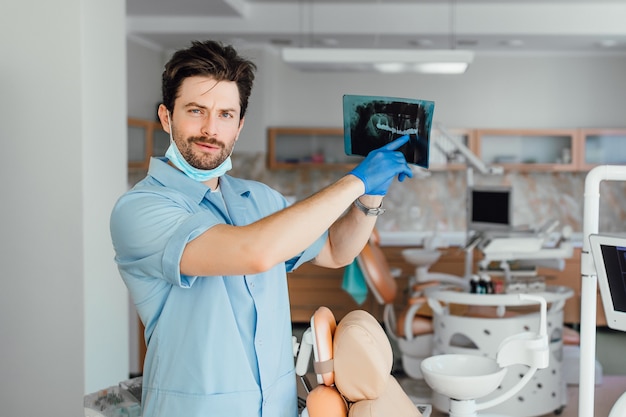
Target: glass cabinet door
[(603, 147), (529, 150), (291, 147)]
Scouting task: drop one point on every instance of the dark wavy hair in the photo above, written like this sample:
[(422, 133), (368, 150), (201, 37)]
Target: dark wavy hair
[(211, 59)]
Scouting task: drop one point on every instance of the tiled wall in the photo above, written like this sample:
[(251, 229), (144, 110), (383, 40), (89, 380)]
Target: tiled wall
[(437, 203)]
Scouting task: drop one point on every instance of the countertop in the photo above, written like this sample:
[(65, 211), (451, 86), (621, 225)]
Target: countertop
[(439, 239)]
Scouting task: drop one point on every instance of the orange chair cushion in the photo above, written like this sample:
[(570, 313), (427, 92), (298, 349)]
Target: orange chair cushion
[(325, 401), (377, 273)]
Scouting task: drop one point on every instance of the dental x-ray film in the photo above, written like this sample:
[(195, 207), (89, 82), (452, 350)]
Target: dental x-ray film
[(370, 122)]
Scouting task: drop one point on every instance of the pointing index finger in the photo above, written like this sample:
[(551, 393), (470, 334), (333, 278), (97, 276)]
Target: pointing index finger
[(392, 146)]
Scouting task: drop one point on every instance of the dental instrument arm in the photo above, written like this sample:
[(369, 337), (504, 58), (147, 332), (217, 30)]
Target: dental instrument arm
[(472, 160), (302, 351)]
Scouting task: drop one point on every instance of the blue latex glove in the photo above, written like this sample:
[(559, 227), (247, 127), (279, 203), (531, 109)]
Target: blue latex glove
[(381, 166)]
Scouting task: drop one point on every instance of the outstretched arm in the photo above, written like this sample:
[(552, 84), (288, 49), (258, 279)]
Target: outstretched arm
[(263, 244), (350, 233)]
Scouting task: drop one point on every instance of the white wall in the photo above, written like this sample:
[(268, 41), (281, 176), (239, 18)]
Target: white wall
[(104, 130), (144, 79), (63, 313), (497, 91), (509, 91)]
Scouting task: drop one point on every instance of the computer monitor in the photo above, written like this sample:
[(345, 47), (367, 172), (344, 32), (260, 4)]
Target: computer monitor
[(609, 257), (489, 208)]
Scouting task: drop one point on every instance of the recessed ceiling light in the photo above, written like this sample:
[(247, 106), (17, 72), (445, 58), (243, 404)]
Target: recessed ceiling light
[(467, 42), (607, 43), (385, 60), (421, 43), (514, 43), (328, 42), (280, 42)]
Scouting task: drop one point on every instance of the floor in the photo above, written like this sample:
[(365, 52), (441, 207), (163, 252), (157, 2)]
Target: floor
[(610, 349)]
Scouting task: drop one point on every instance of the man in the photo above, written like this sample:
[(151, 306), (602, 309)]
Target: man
[(205, 255)]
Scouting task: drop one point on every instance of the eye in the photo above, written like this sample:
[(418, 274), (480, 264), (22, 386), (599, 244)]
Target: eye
[(195, 111)]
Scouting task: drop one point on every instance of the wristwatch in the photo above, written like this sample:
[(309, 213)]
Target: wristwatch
[(376, 211)]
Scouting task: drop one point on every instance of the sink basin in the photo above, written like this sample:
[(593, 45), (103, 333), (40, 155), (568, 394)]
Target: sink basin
[(462, 377), (421, 257)]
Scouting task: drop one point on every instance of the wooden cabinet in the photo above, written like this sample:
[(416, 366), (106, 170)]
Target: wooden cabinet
[(318, 147), (323, 148), (528, 149), (146, 138), (311, 286), (524, 150)]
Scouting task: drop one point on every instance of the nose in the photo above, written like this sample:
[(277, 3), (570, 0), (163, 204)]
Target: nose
[(209, 126)]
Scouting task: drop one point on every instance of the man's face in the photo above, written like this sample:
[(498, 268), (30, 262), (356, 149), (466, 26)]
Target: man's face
[(206, 122)]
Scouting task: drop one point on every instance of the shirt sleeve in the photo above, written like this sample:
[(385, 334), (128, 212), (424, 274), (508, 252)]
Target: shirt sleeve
[(308, 254), (149, 233)]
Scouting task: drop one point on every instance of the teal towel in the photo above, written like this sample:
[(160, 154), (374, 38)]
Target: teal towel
[(354, 282)]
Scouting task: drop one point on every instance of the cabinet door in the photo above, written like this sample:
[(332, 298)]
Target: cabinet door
[(528, 150), (146, 138), (289, 148), (603, 147)]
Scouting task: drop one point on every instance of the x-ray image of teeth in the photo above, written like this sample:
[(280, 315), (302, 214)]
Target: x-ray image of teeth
[(381, 123), (386, 127), (371, 122)]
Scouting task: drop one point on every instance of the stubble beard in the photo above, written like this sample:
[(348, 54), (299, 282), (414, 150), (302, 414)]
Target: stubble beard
[(201, 160)]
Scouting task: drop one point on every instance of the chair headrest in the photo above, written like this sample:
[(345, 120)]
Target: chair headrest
[(362, 356), (323, 325)]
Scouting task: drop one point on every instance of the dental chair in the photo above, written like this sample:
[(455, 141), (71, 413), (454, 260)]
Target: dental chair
[(412, 328), (352, 362)]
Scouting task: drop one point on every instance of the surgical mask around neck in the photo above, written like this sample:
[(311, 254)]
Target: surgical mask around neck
[(175, 157)]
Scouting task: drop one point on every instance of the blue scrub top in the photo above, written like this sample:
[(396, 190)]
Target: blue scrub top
[(216, 345)]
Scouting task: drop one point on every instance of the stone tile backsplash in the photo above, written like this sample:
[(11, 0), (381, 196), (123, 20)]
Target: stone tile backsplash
[(437, 203)]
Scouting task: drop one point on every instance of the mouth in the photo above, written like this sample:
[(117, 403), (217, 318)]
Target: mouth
[(207, 147)]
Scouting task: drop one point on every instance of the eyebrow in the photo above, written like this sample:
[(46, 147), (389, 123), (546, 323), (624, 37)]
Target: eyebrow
[(194, 104)]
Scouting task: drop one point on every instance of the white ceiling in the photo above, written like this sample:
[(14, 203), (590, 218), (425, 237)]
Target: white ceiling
[(487, 26)]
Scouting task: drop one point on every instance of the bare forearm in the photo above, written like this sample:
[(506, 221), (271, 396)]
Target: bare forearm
[(348, 235), (224, 249)]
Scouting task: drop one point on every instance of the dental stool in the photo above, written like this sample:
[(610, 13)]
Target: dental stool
[(412, 329), (352, 362)]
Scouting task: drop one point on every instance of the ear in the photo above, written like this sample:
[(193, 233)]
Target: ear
[(164, 117)]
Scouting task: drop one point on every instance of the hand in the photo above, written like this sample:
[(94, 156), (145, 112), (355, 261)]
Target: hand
[(381, 166)]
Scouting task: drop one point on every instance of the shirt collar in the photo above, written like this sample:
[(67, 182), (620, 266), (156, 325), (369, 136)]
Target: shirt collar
[(171, 177)]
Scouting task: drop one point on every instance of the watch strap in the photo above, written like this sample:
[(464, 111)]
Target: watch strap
[(369, 211)]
